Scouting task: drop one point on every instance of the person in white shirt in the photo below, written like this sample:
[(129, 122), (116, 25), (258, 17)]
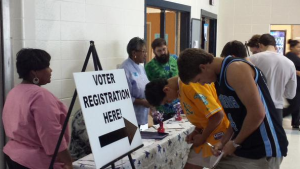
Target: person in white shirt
[(235, 49), (253, 44), (279, 71)]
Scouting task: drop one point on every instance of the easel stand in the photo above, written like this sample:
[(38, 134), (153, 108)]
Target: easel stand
[(97, 67), (112, 164)]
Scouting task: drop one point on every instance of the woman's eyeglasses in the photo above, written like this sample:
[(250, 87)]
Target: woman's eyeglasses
[(143, 51)]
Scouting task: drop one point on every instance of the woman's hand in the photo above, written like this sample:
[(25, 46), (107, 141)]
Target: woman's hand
[(65, 157), (142, 102), (152, 108), (145, 103), (68, 166)]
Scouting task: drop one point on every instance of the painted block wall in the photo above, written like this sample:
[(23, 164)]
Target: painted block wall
[(64, 28), (240, 19)]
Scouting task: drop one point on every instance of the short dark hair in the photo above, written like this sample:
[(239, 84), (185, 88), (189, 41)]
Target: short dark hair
[(267, 40), (31, 59), (293, 43), (235, 48), (189, 61), (253, 42), (154, 91), (158, 42), (135, 44)]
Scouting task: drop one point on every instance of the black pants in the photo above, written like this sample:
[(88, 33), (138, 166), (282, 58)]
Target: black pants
[(12, 164), (279, 115), (294, 109)]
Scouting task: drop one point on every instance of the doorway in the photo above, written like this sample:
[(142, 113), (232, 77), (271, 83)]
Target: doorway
[(2, 135), (282, 33), (169, 21), (6, 68), (209, 32)]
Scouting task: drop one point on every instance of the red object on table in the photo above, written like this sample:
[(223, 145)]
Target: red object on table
[(178, 117), (161, 128)]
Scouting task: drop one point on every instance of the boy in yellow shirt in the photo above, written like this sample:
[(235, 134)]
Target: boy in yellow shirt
[(203, 109)]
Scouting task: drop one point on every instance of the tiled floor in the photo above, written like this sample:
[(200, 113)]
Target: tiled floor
[(292, 160)]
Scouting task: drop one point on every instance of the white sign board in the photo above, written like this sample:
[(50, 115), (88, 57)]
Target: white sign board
[(108, 114)]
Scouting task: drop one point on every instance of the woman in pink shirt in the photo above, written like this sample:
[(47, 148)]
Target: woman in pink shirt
[(33, 117)]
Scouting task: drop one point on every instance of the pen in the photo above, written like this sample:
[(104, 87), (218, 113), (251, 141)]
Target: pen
[(212, 146)]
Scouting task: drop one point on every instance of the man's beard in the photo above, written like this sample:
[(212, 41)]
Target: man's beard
[(163, 59)]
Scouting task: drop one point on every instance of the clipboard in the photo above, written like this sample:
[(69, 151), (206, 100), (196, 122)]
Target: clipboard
[(214, 160), (153, 135)]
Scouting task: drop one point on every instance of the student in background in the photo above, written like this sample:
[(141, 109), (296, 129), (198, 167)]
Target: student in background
[(253, 44), (235, 49), (279, 71), (294, 104)]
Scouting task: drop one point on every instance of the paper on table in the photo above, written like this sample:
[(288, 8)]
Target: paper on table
[(173, 126), (214, 160), (153, 135), (89, 163)]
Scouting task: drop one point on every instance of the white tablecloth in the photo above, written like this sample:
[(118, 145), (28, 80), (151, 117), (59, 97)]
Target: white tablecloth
[(168, 153)]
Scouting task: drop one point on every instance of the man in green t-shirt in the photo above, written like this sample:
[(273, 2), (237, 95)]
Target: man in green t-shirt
[(164, 66)]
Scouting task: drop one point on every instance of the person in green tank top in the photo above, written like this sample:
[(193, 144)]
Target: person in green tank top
[(162, 66)]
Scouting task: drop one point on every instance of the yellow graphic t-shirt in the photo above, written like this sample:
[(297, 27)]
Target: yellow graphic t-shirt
[(199, 102)]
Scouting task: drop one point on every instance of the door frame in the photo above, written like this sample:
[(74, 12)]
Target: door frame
[(212, 30), (185, 36), (6, 71)]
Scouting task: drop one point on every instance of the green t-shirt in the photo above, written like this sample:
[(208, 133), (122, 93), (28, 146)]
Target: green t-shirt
[(155, 70)]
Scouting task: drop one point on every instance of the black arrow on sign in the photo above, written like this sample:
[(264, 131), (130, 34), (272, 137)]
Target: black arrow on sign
[(127, 131)]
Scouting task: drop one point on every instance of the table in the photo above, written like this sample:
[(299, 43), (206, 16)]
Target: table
[(168, 153)]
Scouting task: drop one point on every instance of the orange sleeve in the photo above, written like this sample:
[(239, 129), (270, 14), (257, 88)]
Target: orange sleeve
[(203, 98)]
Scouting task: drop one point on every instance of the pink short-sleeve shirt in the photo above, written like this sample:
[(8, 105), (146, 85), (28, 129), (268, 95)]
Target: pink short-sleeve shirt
[(33, 119)]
